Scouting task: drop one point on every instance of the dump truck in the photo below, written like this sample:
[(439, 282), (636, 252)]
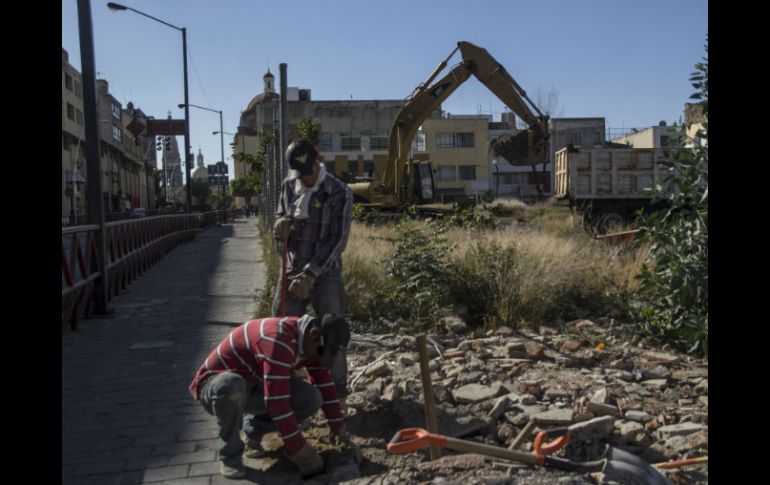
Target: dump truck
[(607, 186)]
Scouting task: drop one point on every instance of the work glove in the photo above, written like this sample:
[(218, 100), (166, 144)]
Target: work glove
[(282, 228), (341, 438), (307, 460), (301, 286)]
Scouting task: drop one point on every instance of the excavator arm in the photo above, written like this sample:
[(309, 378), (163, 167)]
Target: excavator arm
[(526, 148)]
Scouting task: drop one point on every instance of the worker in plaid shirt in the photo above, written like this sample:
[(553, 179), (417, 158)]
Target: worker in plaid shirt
[(314, 216)]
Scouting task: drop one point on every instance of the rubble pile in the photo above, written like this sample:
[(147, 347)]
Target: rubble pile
[(651, 402)]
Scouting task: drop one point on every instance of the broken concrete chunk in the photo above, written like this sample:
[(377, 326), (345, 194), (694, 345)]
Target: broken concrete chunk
[(405, 360), (660, 358), (504, 331), (453, 325), (659, 384), (702, 387), (499, 408), (379, 369), (554, 394), (638, 416), (473, 393), (601, 409), (554, 416), (681, 429), (596, 428), (657, 372), (570, 346), (534, 350), (529, 387)]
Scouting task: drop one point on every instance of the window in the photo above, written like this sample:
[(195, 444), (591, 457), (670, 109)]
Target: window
[(70, 112), (368, 168), (598, 138), (330, 167), (446, 173), (444, 140), (68, 81), (116, 110), (467, 172), (79, 117), (418, 144), (326, 142), (664, 141), (351, 143), (464, 140), (454, 140), (574, 138), (78, 90), (378, 142), (353, 167), (117, 133)]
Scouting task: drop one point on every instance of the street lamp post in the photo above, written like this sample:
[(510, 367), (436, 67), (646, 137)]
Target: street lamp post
[(497, 178), (221, 139), (117, 7)]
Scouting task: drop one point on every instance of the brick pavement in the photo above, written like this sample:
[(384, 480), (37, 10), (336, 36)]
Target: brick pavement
[(127, 417)]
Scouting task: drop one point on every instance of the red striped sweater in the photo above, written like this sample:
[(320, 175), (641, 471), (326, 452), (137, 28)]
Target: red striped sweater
[(267, 351)]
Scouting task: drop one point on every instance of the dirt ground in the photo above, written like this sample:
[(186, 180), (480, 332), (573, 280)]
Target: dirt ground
[(486, 388)]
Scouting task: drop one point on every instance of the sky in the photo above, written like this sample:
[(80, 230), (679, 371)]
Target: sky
[(627, 61)]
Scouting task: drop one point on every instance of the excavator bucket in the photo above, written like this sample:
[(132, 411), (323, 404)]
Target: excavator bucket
[(518, 149)]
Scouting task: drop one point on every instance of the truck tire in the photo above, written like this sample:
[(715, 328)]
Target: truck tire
[(611, 220)]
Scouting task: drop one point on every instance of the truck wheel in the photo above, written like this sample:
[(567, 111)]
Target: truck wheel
[(611, 220)]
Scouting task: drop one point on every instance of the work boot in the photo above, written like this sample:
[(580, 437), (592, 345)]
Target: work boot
[(253, 449), (232, 468)]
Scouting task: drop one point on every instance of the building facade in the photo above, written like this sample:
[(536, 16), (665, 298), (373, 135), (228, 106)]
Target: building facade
[(660, 136), (127, 157)]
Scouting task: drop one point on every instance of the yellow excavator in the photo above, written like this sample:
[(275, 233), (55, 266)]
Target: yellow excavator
[(400, 180)]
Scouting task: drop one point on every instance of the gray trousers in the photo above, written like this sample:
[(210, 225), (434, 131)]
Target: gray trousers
[(228, 396), (328, 296)]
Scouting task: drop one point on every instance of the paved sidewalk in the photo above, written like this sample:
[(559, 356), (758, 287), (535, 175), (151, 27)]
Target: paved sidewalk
[(127, 416)]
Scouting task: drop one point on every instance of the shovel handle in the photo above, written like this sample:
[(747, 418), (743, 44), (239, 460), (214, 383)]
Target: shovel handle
[(413, 439), (549, 448)]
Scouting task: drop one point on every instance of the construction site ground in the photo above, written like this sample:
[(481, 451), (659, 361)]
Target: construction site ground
[(127, 416)]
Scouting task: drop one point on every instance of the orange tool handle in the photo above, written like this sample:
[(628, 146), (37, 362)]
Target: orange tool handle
[(412, 439), (550, 448)]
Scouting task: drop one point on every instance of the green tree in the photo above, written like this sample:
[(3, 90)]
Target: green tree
[(674, 281), (309, 131)]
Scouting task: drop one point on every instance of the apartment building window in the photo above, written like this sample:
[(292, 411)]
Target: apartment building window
[(368, 168), (454, 140), (353, 167), (664, 142), (378, 142), (419, 143), (326, 142), (330, 167), (464, 140), (445, 140), (598, 137), (116, 110), (574, 138), (78, 89), (70, 112), (79, 117), (68, 81), (117, 133), (351, 143), (445, 173), (467, 172)]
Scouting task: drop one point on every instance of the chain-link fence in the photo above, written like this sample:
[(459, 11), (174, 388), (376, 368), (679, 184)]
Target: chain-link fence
[(273, 173)]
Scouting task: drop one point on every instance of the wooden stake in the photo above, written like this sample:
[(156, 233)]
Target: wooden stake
[(427, 390)]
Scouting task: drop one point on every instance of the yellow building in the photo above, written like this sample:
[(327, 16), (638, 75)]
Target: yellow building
[(457, 147)]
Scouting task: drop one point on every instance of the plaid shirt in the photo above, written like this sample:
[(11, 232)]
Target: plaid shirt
[(316, 244)]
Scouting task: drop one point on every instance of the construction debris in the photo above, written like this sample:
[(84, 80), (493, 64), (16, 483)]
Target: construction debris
[(651, 403)]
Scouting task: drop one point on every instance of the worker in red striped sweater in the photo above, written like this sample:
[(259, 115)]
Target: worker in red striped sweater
[(252, 371)]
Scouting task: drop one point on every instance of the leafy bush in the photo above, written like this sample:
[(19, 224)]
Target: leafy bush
[(674, 285)]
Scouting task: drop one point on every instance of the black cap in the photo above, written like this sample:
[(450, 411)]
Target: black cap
[(301, 155), (335, 332)]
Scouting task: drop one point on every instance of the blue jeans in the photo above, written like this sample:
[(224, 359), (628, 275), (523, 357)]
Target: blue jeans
[(228, 396)]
